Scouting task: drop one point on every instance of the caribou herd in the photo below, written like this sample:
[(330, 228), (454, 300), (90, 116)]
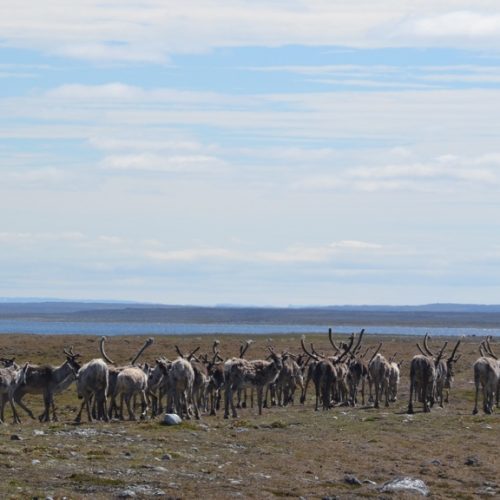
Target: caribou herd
[(193, 384)]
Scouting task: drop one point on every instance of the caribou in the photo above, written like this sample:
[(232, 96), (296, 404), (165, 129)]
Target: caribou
[(215, 370), (92, 381), (487, 376), (326, 372), (240, 374), (114, 371), (10, 379), (379, 369), (394, 376), (423, 374), (47, 380)]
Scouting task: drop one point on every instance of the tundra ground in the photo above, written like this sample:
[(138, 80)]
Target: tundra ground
[(286, 452)]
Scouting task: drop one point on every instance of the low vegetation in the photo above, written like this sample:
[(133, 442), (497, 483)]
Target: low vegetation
[(288, 451)]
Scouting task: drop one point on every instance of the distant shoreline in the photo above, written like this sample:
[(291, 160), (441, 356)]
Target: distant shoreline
[(431, 316), (20, 326)]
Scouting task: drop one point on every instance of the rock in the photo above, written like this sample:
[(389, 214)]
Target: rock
[(167, 456), (159, 469), (16, 437), (435, 462), (488, 491), (405, 484), (350, 479), (35, 462), (38, 433), (127, 494), (474, 461), (171, 419)]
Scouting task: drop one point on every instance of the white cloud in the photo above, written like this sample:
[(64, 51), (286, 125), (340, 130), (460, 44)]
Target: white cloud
[(291, 255), (467, 24), (191, 254), (446, 173), (115, 90), (158, 163), (133, 143), (122, 53), (151, 31)]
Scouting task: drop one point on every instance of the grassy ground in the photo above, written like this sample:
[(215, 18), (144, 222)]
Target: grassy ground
[(286, 452)]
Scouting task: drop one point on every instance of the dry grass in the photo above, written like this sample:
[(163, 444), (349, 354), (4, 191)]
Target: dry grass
[(287, 452)]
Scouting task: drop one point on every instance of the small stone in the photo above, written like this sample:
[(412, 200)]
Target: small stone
[(36, 432), (16, 437), (159, 469), (406, 484), (435, 462), (127, 494), (350, 479), (472, 461), (35, 462), (487, 491), (171, 419), (167, 456)]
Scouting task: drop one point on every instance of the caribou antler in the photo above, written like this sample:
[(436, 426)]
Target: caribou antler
[(243, 349), (313, 356), (441, 352), (488, 348), (103, 353), (426, 346), (70, 354), (452, 355), (192, 353), (481, 350), (214, 346), (376, 352), (142, 349), (358, 343), (365, 353), (313, 350), (189, 356), (421, 350), (347, 348), (330, 337)]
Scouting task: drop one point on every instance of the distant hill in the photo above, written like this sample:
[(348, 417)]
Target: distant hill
[(431, 315)]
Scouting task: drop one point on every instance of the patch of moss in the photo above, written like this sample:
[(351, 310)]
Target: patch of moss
[(80, 477), (279, 424)]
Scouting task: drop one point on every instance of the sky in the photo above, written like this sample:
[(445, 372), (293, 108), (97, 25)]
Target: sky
[(257, 153)]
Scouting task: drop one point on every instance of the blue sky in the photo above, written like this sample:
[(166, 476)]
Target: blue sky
[(266, 153)]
